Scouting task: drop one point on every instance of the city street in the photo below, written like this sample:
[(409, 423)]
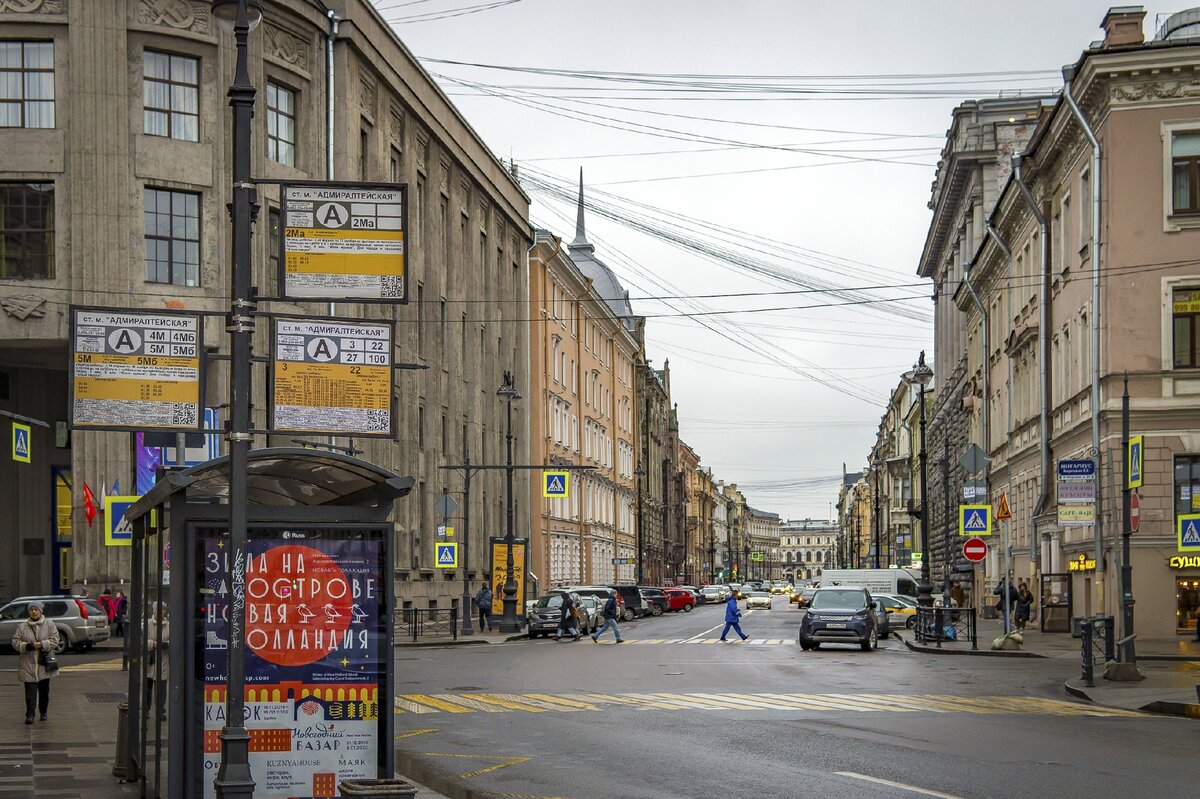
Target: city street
[(673, 712)]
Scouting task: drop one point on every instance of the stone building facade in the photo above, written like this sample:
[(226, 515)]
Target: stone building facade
[(807, 547), (125, 195)]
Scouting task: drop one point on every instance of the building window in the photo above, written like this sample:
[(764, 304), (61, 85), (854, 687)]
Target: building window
[(172, 237), (26, 84), (273, 241), (281, 124), (26, 230), (170, 95), (1185, 172), (1187, 484), (1185, 312)]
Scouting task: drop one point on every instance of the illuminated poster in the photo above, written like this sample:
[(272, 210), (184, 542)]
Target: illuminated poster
[(316, 649), (500, 573)]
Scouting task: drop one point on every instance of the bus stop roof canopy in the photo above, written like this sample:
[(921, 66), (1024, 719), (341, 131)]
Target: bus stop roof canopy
[(284, 477)]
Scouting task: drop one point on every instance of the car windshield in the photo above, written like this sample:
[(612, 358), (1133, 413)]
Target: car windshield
[(759, 593), (549, 601), (588, 601), (839, 600)]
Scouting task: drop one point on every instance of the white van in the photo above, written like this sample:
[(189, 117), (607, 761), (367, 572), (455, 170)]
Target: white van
[(876, 581)]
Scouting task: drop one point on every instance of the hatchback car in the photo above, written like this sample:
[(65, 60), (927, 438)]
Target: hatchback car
[(842, 615), (900, 609), (81, 622), (713, 593), (547, 611), (758, 599), (803, 597), (679, 599), (655, 600)]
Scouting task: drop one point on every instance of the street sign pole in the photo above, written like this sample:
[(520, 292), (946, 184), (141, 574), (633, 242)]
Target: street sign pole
[(1128, 652), (447, 500)]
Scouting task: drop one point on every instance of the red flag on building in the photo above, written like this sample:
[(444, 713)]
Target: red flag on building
[(89, 503)]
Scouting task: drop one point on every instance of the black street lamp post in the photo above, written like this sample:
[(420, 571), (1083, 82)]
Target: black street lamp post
[(233, 776), (875, 512), (508, 621), (920, 377), (639, 472)]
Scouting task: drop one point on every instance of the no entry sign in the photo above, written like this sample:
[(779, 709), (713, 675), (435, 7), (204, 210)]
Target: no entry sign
[(1135, 512), (974, 549)]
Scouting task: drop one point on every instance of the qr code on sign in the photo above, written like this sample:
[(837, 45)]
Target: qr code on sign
[(391, 287), (379, 421), (183, 413)]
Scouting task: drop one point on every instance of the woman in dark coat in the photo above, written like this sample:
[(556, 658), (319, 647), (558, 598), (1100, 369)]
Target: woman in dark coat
[(1025, 600)]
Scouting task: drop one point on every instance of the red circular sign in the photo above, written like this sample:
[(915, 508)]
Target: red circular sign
[(298, 605), (974, 549), (1135, 511)]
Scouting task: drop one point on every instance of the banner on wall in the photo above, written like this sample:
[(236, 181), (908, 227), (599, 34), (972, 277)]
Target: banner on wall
[(316, 661)]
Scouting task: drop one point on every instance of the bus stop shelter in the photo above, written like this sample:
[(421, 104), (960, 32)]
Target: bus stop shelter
[(319, 631)]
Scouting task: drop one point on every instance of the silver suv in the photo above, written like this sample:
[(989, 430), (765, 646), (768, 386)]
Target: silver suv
[(81, 622)]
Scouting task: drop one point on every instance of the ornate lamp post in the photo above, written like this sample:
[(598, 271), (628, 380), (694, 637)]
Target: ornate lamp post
[(508, 621), (920, 376)]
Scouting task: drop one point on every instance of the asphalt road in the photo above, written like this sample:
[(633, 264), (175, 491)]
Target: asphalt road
[(673, 713)]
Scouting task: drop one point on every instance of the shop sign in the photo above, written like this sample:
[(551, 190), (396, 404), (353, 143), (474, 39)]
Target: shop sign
[(1184, 562), (1186, 301), (1076, 515), (1082, 564), (315, 659), (1076, 492)]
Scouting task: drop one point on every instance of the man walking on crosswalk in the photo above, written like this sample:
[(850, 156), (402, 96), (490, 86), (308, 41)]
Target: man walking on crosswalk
[(732, 615)]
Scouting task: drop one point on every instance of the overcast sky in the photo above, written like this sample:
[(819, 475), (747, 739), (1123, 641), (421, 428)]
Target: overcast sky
[(753, 148)]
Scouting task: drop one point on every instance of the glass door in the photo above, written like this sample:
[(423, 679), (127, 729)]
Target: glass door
[(1187, 601), (62, 563)]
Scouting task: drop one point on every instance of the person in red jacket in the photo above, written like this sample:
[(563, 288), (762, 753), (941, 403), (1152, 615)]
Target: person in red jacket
[(109, 604)]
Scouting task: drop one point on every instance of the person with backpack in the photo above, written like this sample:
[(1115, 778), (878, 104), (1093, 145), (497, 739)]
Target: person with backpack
[(567, 623), (483, 601), (610, 613), (732, 615)]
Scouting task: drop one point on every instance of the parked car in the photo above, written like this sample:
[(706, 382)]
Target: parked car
[(842, 615), (547, 611), (713, 593), (758, 599), (629, 600), (679, 599), (803, 597), (81, 622), (900, 609), (655, 600), (592, 608), (693, 590)]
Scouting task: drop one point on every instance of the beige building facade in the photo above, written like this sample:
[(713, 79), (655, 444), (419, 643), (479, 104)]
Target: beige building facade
[(124, 193)]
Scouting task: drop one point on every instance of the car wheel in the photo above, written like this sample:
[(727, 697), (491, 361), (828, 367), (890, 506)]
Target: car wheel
[(910, 622), (871, 642), (63, 642), (532, 635), (805, 645), (656, 610), (687, 608), (627, 615), (816, 645)]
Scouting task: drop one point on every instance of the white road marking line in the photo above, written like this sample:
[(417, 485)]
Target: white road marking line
[(698, 636), (900, 785)]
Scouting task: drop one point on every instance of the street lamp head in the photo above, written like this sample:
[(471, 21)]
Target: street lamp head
[(226, 12), (921, 374), (508, 389)]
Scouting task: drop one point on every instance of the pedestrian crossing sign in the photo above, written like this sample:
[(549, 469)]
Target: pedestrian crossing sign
[(447, 556), (1188, 528), (556, 484), (974, 520), (20, 451)]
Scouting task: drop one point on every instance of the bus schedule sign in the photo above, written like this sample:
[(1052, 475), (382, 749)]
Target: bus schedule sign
[(332, 377), (344, 241), (133, 370)]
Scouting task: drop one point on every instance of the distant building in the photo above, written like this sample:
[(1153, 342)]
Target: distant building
[(807, 547)]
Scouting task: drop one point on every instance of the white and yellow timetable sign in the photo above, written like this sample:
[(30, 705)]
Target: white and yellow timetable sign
[(344, 242), (332, 377), (132, 370)]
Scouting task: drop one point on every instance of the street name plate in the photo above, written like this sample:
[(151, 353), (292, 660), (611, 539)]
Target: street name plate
[(344, 242), (1071, 491), (135, 370), (332, 377)]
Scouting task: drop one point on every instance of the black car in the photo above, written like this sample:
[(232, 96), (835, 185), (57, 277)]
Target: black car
[(655, 600), (842, 615)]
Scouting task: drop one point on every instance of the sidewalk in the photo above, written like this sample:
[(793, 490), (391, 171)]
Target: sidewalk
[(70, 756)]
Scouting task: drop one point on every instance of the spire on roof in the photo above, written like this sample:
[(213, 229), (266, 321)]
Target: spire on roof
[(580, 241)]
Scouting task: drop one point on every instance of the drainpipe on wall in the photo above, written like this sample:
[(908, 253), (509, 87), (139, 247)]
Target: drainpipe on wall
[(1043, 342), (1069, 76)]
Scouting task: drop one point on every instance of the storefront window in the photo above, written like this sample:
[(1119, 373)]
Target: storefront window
[(1187, 484), (1187, 601)]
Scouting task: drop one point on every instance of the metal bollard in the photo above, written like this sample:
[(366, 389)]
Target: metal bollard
[(377, 789), (122, 753)]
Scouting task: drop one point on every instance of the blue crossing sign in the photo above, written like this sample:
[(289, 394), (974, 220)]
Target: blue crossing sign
[(117, 531), (1188, 528), (974, 520), (556, 484), (446, 555), (21, 450)]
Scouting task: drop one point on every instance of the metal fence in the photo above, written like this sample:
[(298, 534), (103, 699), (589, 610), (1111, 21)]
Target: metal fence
[(418, 623), (954, 625), (1096, 642)]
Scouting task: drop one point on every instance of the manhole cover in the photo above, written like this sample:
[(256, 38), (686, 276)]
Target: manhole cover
[(105, 699)]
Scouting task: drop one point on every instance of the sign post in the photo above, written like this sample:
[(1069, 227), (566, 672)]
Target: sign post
[(22, 447)]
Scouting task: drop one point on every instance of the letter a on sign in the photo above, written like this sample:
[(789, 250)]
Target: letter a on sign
[(974, 519), (556, 484)]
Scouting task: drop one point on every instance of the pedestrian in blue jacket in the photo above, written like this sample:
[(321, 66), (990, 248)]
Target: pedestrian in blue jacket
[(732, 614)]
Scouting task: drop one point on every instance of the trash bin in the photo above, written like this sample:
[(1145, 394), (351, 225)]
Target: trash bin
[(122, 753), (377, 789)]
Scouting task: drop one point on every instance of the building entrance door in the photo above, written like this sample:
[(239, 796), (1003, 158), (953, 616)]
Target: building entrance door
[(1056, 603), (1187, 598), (62, 561)]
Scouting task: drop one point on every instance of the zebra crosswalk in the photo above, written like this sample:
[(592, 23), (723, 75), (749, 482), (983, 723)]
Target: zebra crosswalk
[(485, 702), (730, 642)]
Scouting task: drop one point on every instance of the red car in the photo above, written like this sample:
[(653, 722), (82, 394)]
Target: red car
[(680, 599)]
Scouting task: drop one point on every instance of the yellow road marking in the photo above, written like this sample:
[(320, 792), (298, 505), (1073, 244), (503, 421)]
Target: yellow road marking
[(507, 761), (559, 700), (470, 703), (510, 701), (623, 699), (413, 733), (853, 701), (407, 706), (434, 702)]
